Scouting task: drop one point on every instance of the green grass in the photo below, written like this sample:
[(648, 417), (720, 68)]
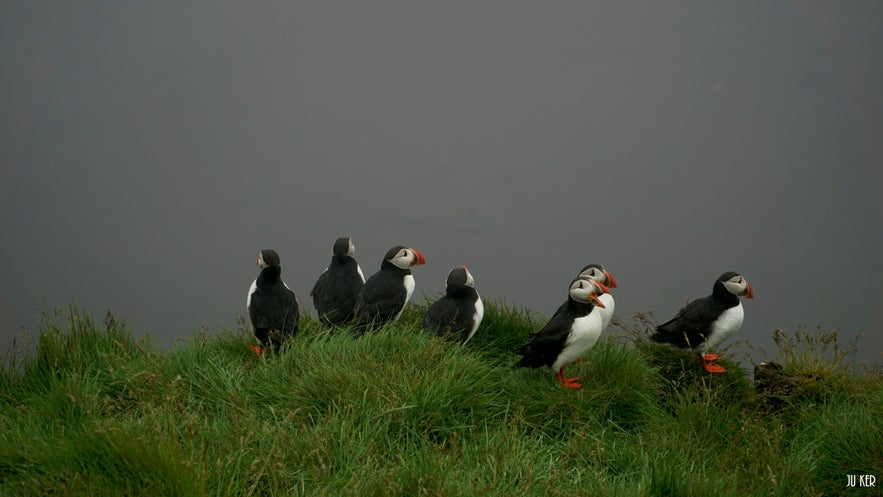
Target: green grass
[(92, 411)]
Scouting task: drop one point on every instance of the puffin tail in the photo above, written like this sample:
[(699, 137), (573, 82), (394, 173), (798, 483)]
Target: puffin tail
[(663, 335), (658, 337), (530, 360)]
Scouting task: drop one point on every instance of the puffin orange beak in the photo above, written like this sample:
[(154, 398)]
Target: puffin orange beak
[(418, 258), (595, 301), (612, 280), (604, 288), (750, 293)]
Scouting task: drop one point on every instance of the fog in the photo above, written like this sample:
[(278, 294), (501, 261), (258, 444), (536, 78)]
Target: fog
[(151, 150)]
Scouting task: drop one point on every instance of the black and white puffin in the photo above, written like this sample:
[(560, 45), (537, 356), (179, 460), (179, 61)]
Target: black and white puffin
[(335, 292), (597, 273), (386, 292), (704, 323), (272, 306), (459, 312), (571, 332)]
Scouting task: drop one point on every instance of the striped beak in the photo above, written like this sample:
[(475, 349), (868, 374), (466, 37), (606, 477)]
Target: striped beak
[(417, 259), (611, 281)]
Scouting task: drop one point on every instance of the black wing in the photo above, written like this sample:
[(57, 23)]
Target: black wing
[(446, 316), (379, 301), (544, 345), (691, 325), (274, 313), (335, 294), (320, 285)]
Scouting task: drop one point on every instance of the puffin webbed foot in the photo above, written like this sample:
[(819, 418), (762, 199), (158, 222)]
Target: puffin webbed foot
[(567, 382), (710, 366)]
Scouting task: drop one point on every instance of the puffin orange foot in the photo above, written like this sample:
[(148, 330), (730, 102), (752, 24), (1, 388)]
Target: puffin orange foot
[(715, 368), (571, 383), (711, 357), (567, 382), (257, 349), (712, 367)]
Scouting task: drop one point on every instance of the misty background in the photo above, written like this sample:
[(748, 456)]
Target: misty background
[(150, 150)]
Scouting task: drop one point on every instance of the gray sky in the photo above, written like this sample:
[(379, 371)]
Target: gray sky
[(150, 150)]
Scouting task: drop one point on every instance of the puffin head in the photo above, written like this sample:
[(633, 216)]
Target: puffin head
[(586, 290), (460, 276), (404, 257), (344, 246), (268, 257), (736, 284), (597, 273)]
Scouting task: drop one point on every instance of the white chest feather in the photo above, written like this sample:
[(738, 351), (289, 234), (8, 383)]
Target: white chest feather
[(725, 325), (607, 311), (251, 290), (476, 319), (583, 335), (409, 290), (409, 287), (361, 274)]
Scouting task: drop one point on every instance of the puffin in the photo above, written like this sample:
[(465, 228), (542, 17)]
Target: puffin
[(597, 273), (334, 294), (386, 292), (272, 306), (704, 323), (569, 334), (459, 312)]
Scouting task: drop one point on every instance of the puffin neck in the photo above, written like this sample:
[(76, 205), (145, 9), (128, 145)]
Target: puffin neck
[(269, 276), (340, 259), (721, 293), (388, 266), (579, 306), (455, 291)]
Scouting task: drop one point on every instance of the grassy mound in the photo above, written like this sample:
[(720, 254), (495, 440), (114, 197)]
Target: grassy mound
[(92, 411)]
